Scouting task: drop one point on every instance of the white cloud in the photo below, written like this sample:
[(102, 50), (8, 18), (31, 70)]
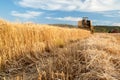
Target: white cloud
[(72, 5), (69, 18), (111, 14), (116, 24), (26, 15)]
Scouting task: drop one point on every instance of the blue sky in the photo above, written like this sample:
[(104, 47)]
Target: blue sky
[(101, 12)]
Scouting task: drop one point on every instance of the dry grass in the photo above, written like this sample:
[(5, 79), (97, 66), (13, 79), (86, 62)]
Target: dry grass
[(87, 59), (94, 58), (117, 36)]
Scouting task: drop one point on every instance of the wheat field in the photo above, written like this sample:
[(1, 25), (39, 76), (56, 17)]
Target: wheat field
[(31, 51), (18, 40)]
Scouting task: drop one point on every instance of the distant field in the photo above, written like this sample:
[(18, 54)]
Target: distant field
[(98, 28), (106, 29)]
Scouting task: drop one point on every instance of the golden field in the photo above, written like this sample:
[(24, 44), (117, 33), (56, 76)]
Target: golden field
[(42, 52), (17, 39)]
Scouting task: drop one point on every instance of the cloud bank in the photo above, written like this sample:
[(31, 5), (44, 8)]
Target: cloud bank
[(116, 24), (69, 18), (72, 5), (26, 15)]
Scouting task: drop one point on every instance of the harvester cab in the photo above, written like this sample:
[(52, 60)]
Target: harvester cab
[(86, 24)]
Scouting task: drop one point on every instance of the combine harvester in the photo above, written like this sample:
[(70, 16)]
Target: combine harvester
[(86, 24)]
